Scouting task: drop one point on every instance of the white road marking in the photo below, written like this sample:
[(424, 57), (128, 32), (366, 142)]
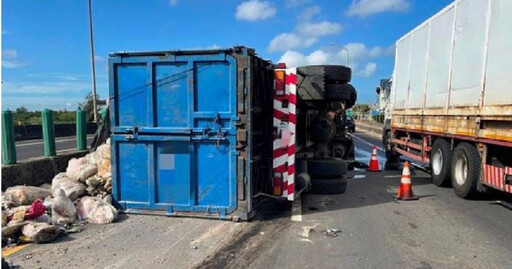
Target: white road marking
[(297, 210), (367, 143), (66, 150), (392, 176), (56, 141)]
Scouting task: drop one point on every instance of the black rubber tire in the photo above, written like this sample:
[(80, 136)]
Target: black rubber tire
[(341, 92), (327, 168), (441, 146), (337, 73), (469, 187), (329, 185)]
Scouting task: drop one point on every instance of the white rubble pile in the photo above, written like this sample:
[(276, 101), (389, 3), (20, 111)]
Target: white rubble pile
[(81, 194)]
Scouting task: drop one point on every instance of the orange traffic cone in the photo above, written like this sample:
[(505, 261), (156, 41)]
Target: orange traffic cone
[(374, 162), (405, 189)]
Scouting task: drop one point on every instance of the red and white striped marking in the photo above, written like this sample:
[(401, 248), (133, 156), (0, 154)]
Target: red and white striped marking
[(291, 89), (284, 142), (495, 177)]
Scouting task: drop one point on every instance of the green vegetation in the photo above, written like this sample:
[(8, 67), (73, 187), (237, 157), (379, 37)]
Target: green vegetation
[(22, 116), (378, 118)]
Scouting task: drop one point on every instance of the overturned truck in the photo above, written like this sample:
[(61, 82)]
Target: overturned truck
[(212, 133)]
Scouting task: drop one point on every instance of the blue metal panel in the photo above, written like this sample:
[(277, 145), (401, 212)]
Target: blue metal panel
[(171, 95), (174, 132), (132, 94), (197, 176)]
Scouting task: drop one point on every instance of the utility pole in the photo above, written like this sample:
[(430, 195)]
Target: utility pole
[(95, 110)]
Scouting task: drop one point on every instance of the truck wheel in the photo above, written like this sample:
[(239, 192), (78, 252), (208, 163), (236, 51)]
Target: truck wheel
[(327, 168), (329, 186), (337, 73), (341, 92), (466, 166), (440, 162)]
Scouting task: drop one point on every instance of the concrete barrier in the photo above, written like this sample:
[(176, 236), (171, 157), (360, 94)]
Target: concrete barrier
[(371, 127), (36, 171)]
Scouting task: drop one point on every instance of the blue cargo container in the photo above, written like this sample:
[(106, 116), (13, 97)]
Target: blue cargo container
[(191, 131)]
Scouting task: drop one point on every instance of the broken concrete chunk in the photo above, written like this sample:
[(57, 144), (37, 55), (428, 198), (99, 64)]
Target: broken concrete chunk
[(39, 232), (63, 209), (25, 195), (93, 181), (94, 210)]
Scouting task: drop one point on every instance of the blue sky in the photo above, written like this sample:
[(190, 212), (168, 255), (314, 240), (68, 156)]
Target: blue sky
[(45, 44)]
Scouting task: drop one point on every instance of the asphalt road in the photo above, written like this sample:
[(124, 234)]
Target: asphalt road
[(439, 230), (27, 149)]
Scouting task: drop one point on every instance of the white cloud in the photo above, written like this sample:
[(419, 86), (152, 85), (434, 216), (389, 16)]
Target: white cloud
[(323, 28), (9, 53), (289, 41), (308, 13), (359, 58), (368, 70), (46, 88), (363, 8), (173, 2), (254, 10), (41, 102), (305, 35), (99, 58), (293, 58), (317, 57), (11, 64), (9, 59), (359, 51)]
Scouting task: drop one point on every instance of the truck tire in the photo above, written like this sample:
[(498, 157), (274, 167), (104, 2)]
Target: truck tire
[(329, 185), (341, 92), (440, 162), (327, 168), (465, 170), (332, 73), (337, 73)]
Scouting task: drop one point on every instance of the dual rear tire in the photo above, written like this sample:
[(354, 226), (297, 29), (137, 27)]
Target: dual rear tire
[(460, 167), (327, 176)]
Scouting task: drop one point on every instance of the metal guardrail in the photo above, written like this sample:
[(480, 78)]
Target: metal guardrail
[(48, 131)]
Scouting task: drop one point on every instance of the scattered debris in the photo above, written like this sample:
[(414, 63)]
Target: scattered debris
[(63, 209), (331, 232), (24, 195), (40, 232), (81, 194), (503, 203), (95, 210), (73, 188)]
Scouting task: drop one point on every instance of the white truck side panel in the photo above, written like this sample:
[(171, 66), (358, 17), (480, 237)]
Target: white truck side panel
[(417, 75), (468, 54), (439, 59), (498, 87), (401, 80)]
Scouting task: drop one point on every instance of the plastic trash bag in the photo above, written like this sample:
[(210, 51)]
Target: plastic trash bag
[(63, 209), (95, 210), (73, 188), (13, 228), (81, 169), (39, 232), (25, 195)]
